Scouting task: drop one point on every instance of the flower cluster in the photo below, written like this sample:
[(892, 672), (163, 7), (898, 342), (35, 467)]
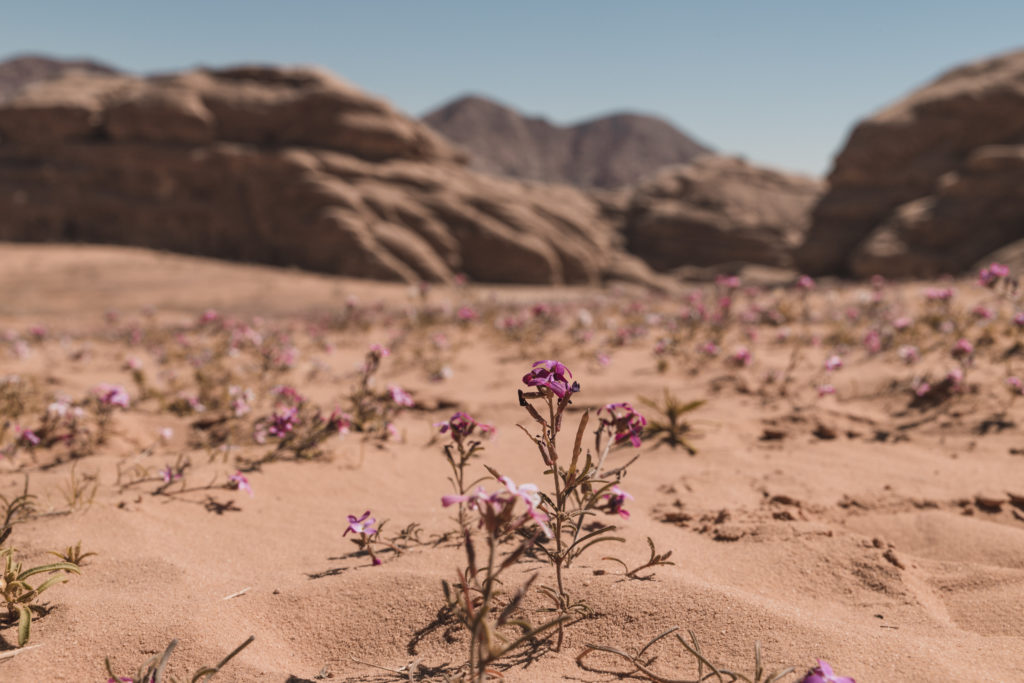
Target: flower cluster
[(462, 425), (551, 375), (990, 276), (624, 421), (283, 423), (112, 395), (497, 514)]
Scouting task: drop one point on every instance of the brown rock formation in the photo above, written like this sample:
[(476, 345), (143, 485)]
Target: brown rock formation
[(930, 184), (18, 72), (719, 210), (287, 167), (606, 152)]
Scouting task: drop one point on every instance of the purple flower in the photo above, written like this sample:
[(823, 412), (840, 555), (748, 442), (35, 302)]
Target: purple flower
[(962, 349), (340, 422), (909, 354), (833, 363), (400, 396), (241, 483), (168, 474), (283, 423), (627, 423), (380, 350), (1015, 384), (551, 375), (112, 395), (741, 356), (938, 293), (805, 282), (823, 674), (615, 500), (27, 436), (988, 277), (462, 425), (361, 525), (826, 390)]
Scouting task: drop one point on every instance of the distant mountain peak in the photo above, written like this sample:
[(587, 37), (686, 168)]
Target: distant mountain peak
[(607, 151)]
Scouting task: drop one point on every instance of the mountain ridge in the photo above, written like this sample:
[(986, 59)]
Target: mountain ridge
[(605, 151)]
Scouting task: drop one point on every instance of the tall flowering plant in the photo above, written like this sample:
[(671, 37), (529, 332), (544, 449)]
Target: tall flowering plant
[(511, 513), (581, 489), (463, 431)]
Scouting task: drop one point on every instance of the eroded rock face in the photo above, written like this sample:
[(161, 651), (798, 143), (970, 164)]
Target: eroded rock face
[(719, 210), (930, 184), (287, 167)]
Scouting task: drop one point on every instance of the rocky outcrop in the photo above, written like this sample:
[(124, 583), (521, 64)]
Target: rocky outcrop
[(930, 184), (18, 72), (287, 167), (719, 210), (606, 152)]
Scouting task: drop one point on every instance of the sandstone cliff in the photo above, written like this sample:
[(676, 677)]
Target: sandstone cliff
[(930, 184)]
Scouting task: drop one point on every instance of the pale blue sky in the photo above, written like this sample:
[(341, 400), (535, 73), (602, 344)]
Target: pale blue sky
[(780, 82)]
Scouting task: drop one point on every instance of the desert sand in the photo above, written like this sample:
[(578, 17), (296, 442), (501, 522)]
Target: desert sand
[(855, 527)]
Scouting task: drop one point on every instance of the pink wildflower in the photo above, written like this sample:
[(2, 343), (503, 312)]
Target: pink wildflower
[(962, 349), (241, 483), (833, 363), (989, 277), (873, 341), (902, 322), (909, 354), (983, 312), (168, 474), (399, 396), (938, 293), (112, 395), (823, 674), (27, 436), (361, 525), (615, 500), (340, 422)]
